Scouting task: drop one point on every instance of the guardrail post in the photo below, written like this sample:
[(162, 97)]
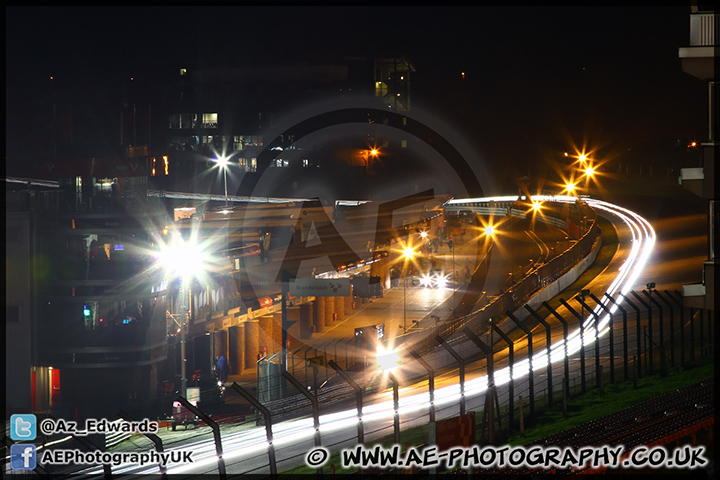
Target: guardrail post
[(661, 328), (152, 437), (358, 397), (649, 327), (672, 326), (461, 363), (431, 381), (611, 343), (680, 299), (511, 387), (215, 428), (268, 426), (294, 354), (315, 408), (347, 357), (307, 381), (566, 360), (580, 319), (491, 398), (682, 324), (396, 408), (432, 440), (548, 343), (638, 333), (531, 377), (626, 366), (598, 367)]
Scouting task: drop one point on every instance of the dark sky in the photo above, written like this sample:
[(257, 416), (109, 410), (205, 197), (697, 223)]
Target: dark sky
[(541, 77)]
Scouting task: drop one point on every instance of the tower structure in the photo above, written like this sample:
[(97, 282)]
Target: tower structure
[(700, 60)]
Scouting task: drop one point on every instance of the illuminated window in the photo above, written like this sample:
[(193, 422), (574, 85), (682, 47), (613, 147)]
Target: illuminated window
[(210, 120), (238, 142)]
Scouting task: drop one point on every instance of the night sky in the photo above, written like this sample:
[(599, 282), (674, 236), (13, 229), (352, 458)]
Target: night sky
[(538, 80)]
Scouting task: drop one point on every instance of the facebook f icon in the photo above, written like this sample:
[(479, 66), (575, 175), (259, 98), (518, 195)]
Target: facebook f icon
[(23, 427), (23, 456)]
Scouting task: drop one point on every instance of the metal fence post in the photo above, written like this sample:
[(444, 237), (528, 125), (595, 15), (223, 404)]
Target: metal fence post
[(649, 325), (432, 437), (611, 343), (152, 437), (528, 332), (358, 397), (626, 369), (315, 408), (396, 408), (638, 330), (268, 426), (598, 367), (672, 327), (661, 328), (491, 398), (548, 344), (566, 360), (682, 324), (579, 317), (511, 387), (216, 432)]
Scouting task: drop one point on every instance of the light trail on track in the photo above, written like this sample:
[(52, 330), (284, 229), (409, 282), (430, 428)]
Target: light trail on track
[(253, 443)]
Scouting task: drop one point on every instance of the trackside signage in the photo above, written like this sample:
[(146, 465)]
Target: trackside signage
[(320, 287)]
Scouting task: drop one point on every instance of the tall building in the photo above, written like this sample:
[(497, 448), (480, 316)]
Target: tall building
[(700, 59), (87, 324), (87, 327)]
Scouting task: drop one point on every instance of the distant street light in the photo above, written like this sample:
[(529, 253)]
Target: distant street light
[(224, 162), (373, 152)]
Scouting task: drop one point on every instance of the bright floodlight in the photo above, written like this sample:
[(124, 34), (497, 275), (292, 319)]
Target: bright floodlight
[(536, 206), (387, 359), (582, 157), (423, 234), (222, 160), (408, 252), (182, 259), (570, 187), (589, 171), (489, 230)]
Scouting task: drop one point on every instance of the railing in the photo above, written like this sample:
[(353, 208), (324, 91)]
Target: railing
[(703, 27)]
